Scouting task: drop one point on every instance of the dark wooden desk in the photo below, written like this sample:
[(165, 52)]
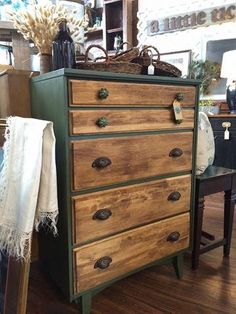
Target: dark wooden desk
[(213, 180), (225, 150)]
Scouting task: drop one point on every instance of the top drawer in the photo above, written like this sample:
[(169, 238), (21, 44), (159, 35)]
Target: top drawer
[(216, 123), (84, 93)]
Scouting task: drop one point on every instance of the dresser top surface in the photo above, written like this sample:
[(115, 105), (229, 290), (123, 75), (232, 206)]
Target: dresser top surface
[(93, 75), (222, 115)]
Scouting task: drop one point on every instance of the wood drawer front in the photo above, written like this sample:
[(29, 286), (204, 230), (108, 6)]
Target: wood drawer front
[(87, 121), (131, 157), (107, 212), (129, 251), (84, 93)]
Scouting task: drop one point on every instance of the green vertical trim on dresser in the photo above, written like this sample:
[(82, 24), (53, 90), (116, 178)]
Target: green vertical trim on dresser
[(194, 165), (50, 101)]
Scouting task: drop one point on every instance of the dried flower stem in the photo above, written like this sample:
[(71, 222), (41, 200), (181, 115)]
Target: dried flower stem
[(39, 23)]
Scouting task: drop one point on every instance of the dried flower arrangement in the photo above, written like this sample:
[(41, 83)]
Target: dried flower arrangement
[(38, 22)]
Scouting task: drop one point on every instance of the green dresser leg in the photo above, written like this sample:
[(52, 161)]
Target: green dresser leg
[(178, 262), (85, 303)]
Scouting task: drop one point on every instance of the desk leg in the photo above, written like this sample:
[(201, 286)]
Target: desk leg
[(198, 218), (230, 197)]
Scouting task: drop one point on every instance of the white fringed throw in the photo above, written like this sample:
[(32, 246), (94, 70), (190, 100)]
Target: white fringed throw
[(28, 188)]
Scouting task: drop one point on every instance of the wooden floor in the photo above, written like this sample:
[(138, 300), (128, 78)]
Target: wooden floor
[(211, 289)]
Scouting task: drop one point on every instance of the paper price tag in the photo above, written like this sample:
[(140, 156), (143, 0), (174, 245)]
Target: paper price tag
[(177, 111), (151, 69), (226, 134)]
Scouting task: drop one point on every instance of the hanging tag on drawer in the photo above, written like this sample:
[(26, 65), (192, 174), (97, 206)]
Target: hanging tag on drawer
[(177, 111), (226, 134), (226, 125)]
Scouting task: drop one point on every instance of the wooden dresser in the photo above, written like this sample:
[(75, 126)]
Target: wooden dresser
[(125, 175)]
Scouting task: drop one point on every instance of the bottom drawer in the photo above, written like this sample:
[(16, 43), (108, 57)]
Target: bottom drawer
[(104, 260)]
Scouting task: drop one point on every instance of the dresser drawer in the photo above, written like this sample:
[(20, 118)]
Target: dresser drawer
[(104, 161), (216, 123), (85, 93), (102, 213), (105, 121), (104, 260)]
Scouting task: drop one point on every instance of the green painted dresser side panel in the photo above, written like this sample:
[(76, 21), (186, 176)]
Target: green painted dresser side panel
[(48, 100)]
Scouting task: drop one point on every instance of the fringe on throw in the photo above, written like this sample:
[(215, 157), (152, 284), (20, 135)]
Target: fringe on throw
[(15, 243), (18, 244), (46, 220)]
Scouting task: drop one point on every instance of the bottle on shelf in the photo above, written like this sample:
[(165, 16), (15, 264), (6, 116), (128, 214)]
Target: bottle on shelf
[(117, 42), (63, 48)]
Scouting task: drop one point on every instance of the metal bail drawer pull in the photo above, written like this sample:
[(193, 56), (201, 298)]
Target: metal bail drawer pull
[(103, 262), (176, 152), (173, 237), (101, 162), (102, 214)]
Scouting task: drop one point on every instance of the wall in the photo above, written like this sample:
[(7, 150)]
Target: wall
[(190, 39), (194, 39)]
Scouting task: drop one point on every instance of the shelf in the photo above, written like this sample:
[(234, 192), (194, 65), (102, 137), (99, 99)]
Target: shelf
[(220, 97), (95, 32), (115, 30), (6, 29), (6, 25), (111, 1)]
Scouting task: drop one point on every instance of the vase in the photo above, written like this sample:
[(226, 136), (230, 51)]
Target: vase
[(231, 97), (45, 64)]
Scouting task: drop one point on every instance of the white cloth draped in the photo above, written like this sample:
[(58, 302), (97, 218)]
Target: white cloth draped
[(205, 144), (28, 187)]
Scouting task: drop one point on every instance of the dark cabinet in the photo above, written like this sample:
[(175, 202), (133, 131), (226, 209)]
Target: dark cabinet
[(225, 149)]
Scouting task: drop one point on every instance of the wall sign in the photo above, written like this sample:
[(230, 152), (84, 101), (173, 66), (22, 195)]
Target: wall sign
[(192, 20)]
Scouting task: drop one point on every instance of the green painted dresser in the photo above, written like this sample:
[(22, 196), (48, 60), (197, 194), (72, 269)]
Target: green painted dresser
[(125, 175)]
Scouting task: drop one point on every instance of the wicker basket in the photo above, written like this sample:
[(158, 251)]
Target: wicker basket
[(166, 69), (108, 65), (126, 55), (162, 68)]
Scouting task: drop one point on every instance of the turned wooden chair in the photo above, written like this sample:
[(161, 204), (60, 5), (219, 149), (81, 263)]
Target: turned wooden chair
[(213, 180)]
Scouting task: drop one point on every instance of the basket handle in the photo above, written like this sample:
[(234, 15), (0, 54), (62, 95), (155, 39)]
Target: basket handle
[(148, 49), (125, 43), (95, 46), (121, 46), (100, 58)]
